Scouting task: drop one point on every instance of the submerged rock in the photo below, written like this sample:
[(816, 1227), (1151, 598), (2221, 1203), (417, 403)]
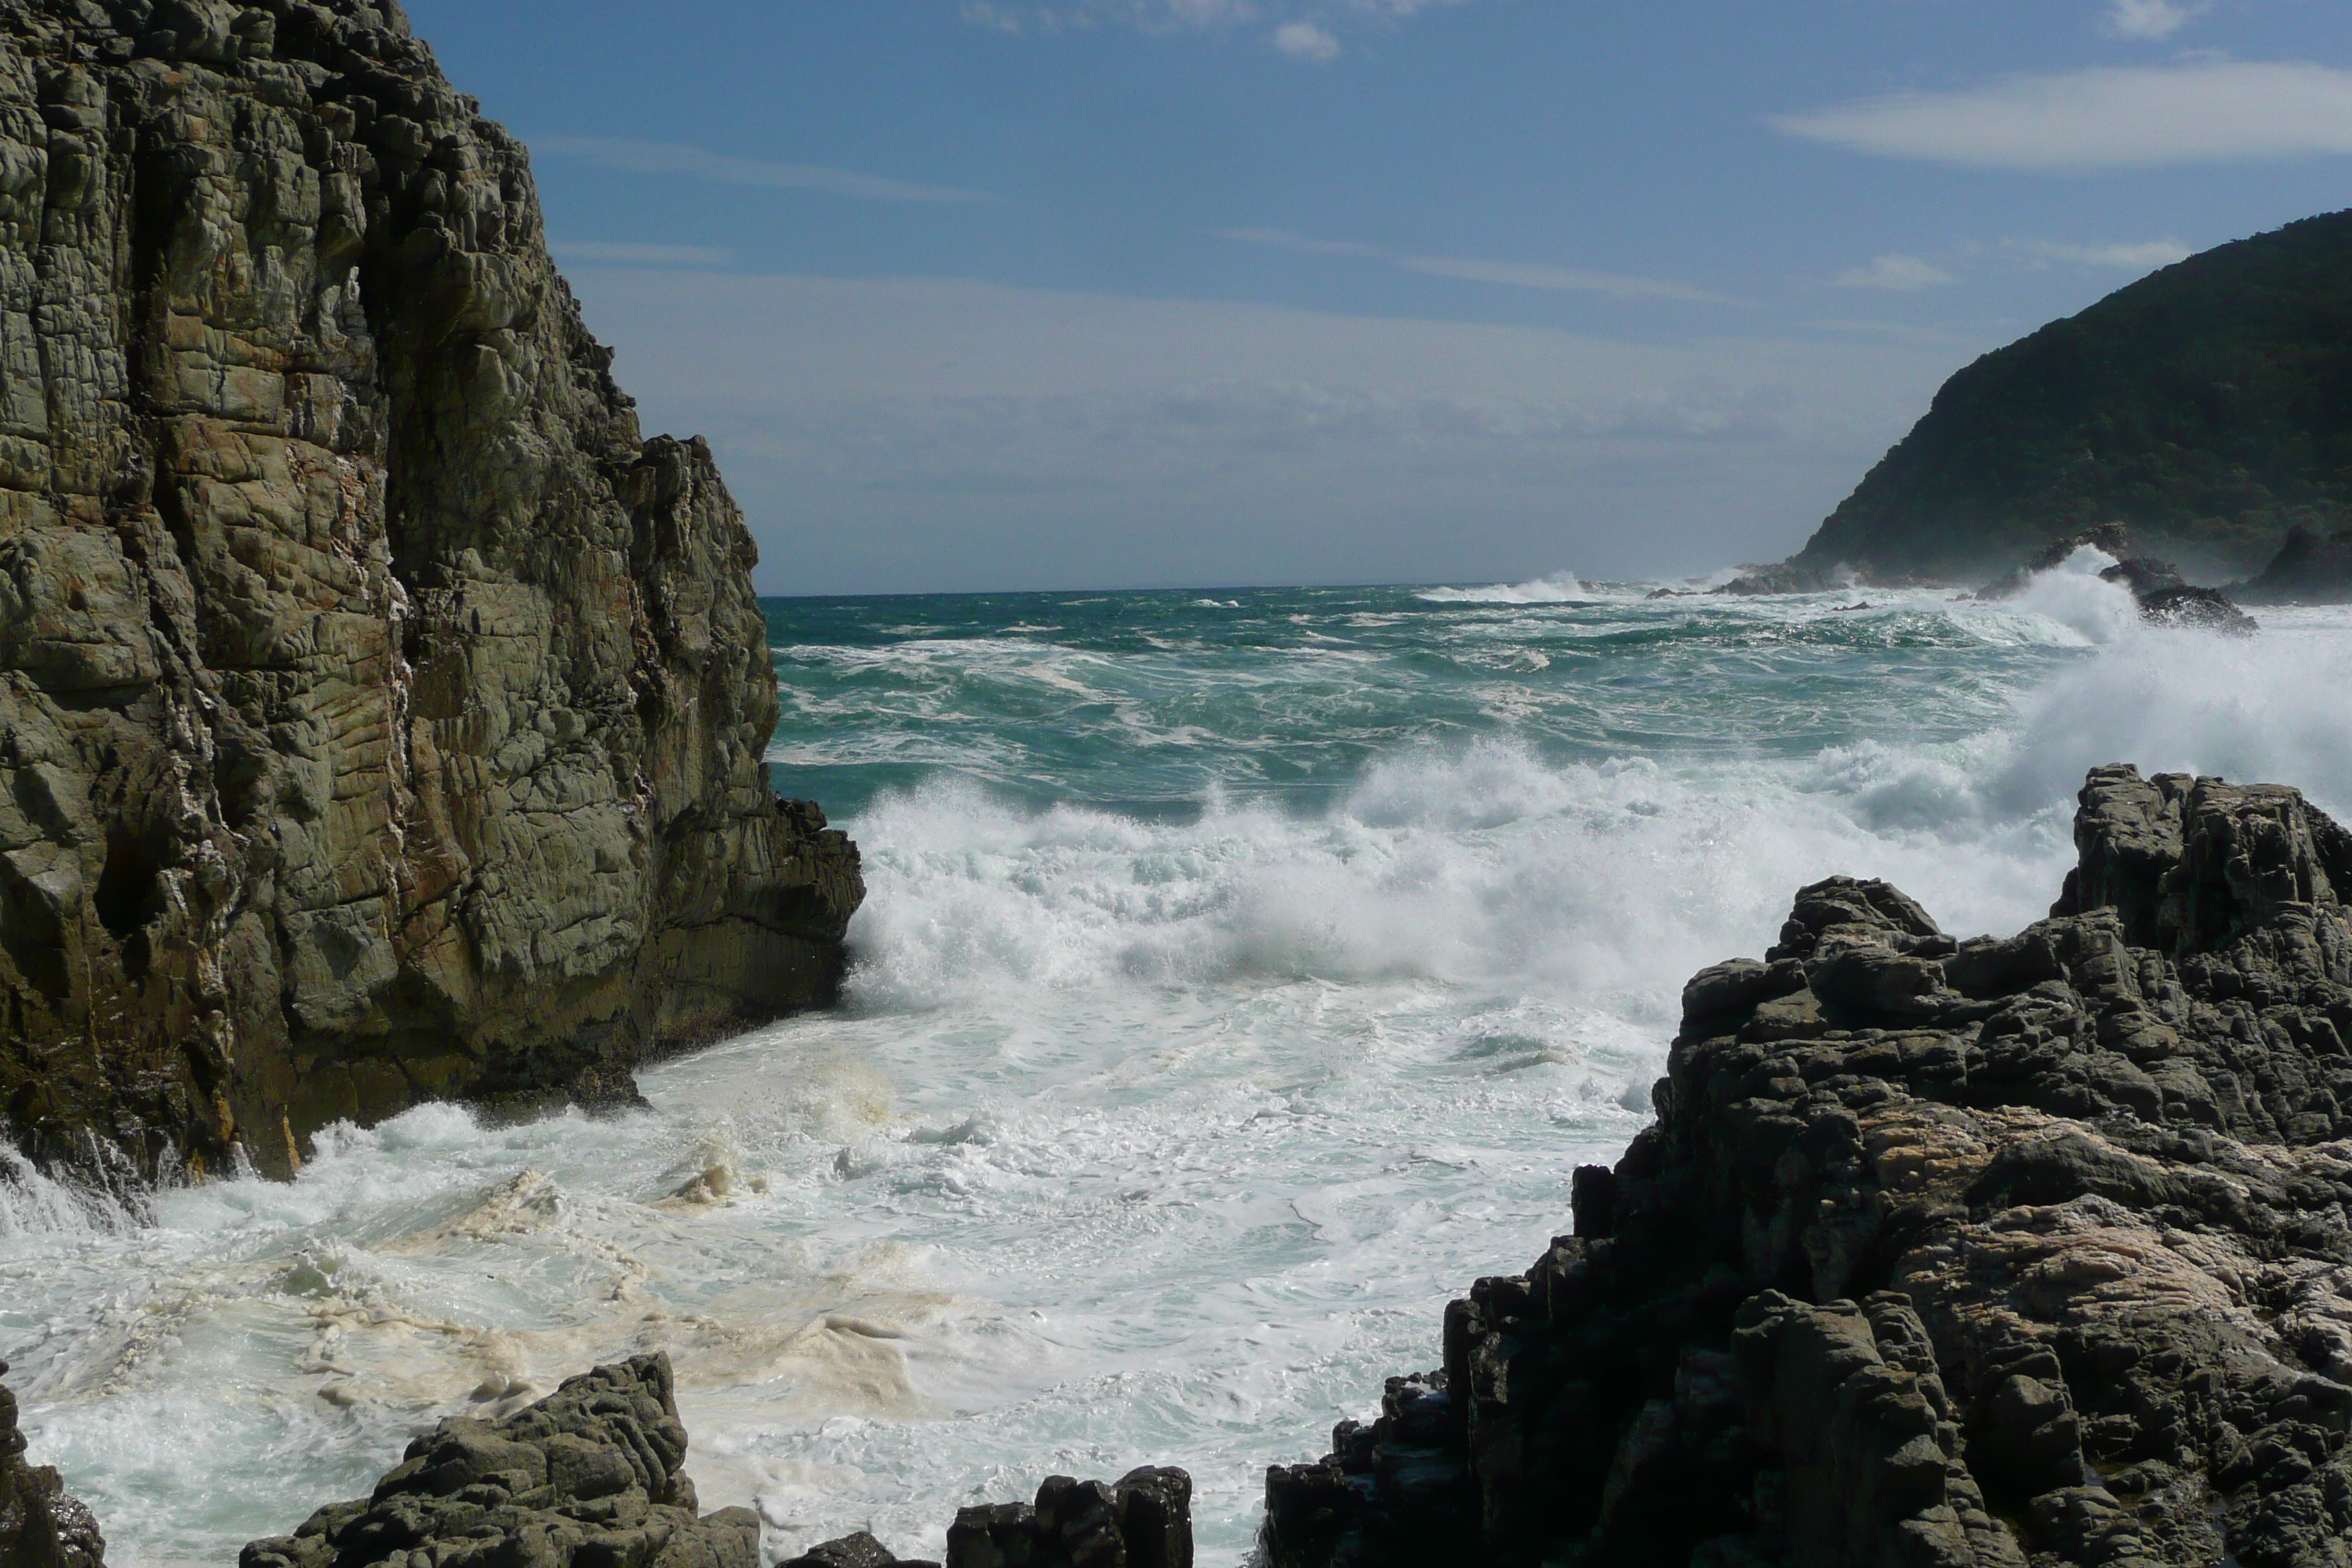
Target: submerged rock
[(40, 1526), (381, 714), (2010, 1252)]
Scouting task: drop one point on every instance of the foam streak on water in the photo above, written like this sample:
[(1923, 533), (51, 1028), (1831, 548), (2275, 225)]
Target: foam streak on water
[(1243, 974)]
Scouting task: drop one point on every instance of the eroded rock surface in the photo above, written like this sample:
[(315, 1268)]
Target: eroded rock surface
[(589, 1476), (380, 716), (2003, 1252), (40, 1526)]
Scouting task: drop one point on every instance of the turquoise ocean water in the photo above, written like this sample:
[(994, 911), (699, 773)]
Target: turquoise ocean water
[(1243, 973)]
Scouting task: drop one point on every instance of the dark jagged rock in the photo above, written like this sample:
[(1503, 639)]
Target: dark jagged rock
[(1142, 1520), (40, 1526), (589, 1476), (1788, 578), (2007, 1252), (2309, 569), (381, 715), (593, 1476)]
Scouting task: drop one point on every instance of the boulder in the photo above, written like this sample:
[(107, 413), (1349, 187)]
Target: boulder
[(589, 1476)]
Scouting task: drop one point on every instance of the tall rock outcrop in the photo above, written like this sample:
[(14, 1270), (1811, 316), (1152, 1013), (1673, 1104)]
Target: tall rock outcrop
[(380, 716), (1988, 1254)]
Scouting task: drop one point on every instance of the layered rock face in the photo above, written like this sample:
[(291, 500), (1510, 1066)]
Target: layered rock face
[(380, 716), (1997, 1252)]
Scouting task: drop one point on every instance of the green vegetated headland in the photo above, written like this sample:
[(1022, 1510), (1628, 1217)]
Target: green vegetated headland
[(2209, 406)]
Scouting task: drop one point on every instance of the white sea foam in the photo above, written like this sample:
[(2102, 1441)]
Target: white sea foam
[(1559, 588), (1141, 1137)]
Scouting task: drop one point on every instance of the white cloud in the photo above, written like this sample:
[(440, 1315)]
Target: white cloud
[(2107, 118), (2155, 20), (1001, 18), (1306, 41), (2146, 256), (624, 254), (698, 164), (1895, 273), (1472, 269), (1529, 275), (1302, 26)]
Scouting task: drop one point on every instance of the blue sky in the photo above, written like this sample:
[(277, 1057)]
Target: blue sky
[(1065, 293)]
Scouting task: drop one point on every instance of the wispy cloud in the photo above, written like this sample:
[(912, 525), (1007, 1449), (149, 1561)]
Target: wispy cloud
[(625, 254), (2155, 20), (1527, 274), (1473, 269), (682, 161), (1302, 30), (1306, 41), (2108, 118), (1896, 274), (1283, 239), (2145, 256)]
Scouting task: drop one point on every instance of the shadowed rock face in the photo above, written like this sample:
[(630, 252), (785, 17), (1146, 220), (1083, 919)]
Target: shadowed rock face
[(40, 1526), (1999, 1252), (381, 716)]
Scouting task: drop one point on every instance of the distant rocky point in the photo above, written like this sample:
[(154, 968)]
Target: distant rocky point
[(382, 715), (2200, 406)]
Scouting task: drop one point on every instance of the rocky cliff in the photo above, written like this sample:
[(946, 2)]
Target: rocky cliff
[(2202, 405), (380, 716), (1987, 1254)]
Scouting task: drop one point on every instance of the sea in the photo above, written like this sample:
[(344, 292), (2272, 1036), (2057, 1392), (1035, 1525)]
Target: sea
[(1242, 973)]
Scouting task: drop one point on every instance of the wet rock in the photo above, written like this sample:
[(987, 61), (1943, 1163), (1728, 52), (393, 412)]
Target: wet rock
[(381, 714), (2018, 1251), (40, 1526), (1142, 1520), (590, 1476)]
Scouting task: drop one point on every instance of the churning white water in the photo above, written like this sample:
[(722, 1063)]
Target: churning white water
[(1242, 975)]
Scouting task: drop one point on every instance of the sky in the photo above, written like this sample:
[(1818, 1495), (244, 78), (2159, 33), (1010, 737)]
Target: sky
[(980, 295)]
